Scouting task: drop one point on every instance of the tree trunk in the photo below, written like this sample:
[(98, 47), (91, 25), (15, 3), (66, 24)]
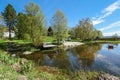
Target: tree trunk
[(9, 32)]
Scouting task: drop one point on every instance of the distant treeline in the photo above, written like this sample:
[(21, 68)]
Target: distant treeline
[(110, 38)]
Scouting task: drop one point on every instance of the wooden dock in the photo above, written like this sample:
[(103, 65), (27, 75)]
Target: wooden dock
[(48, 45)]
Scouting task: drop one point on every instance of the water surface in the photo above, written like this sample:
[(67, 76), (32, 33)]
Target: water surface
[(86, 57)]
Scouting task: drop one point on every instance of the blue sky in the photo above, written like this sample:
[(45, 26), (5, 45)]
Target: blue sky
[(105, 14)]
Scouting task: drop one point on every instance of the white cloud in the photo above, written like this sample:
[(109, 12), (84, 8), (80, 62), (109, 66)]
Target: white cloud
[(113, 25), (95, 22), (113, 7), (100, 56), (111, 33), (106, 12)]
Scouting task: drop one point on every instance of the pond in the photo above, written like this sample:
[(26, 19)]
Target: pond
[(99, 57)]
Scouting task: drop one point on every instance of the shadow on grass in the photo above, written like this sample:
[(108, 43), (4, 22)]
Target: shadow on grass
[(16, 47)]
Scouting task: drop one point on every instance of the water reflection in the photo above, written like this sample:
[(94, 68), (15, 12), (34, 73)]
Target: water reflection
[(86, 54), (61, 60), (112, 46), (85, 57), (57, 58)]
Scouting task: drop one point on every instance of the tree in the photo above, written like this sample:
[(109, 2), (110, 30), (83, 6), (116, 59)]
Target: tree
[(115, 36), (36, 21), (59, 23), (50, 31), (21, 28), (86, 31), (9, 17), (89, 29), (2, 30), (32, 8), (1, 20), (99, 34)]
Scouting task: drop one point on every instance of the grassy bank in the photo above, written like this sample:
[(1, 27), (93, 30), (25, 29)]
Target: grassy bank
[(108, 41), (13, 68), (102, 41), (16, 46), (17, 41), (18, 69)]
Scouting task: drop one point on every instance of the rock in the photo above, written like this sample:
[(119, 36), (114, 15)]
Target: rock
[(22, 77), (13, 55), (108, 77), (17, 67), (23, 61), (27, 52)]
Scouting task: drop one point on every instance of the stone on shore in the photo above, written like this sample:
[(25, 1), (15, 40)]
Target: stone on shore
[(27, 52)]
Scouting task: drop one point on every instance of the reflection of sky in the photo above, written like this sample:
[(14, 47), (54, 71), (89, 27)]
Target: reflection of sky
[(105, 59), (48, 61), (109, 59), (73, 61)]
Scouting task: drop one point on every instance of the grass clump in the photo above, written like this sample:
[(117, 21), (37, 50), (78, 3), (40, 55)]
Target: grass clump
[(7, 73), (84, 75)]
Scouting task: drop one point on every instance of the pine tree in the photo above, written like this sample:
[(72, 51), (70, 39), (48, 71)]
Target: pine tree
[(10, 18)]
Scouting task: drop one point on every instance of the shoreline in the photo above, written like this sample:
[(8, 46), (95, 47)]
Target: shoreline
[(72, 44)]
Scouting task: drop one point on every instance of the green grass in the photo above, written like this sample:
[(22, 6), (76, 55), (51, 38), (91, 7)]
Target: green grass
[(22, 41), (2, 41), (49, 39), (8, 73), (20, 45), (93, 41), (18, 41), (46, 39), (108, 41), (102, 41)]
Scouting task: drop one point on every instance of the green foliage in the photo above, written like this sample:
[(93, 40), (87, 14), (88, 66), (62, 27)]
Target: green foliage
[(1, 20), (115, 37), (32, 8), (9, 17), (21, 27), (7, 59), (59, 24), (2, 30), (27, 66), (50, 31), (85, 30), (36, 23)]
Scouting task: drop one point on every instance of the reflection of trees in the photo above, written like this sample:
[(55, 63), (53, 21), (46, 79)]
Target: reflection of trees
[(61, 60), (86, 54), (39, 56)]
